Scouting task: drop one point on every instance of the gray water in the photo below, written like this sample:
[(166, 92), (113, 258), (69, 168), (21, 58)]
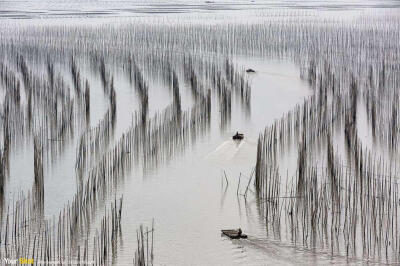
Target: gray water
[(188, 198)]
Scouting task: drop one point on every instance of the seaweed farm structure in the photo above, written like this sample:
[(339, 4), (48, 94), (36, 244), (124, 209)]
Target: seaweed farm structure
[(326, 173)]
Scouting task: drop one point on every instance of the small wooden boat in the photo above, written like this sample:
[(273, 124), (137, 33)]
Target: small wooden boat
[(249, 70), (238, 136), (234, 233)]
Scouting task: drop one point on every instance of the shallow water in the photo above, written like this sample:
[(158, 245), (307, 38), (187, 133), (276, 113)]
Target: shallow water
[(189, 199), (185, 198), (197, 192)]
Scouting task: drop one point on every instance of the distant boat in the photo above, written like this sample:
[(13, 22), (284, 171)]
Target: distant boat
[(238, 136), (234, 233), (249, 70)]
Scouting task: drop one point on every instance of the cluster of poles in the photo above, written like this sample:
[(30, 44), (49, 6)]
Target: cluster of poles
[(47, 104), (342, 194)]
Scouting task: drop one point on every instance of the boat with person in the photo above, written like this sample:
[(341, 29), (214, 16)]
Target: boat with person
[(238, 136)]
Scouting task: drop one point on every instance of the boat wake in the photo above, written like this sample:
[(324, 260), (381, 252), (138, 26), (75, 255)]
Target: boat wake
[(233, 150)]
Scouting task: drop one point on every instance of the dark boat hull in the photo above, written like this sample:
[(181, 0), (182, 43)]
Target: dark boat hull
[(238, 137), (233, 234)]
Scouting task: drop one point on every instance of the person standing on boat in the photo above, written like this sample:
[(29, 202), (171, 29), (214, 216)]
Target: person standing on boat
[(239, 232)]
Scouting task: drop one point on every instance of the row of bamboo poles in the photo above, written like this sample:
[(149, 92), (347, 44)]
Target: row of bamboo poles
[(343, 194)]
